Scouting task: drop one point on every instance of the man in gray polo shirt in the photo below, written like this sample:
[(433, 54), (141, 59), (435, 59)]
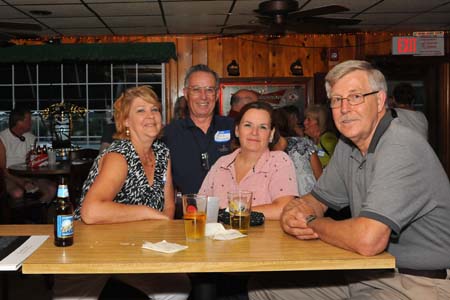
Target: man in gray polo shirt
[(399, 196)]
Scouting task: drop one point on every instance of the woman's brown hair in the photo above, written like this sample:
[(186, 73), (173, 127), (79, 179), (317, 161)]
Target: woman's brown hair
[(263, 106)]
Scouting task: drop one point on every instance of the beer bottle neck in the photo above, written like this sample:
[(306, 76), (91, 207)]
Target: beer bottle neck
[(63, 191)]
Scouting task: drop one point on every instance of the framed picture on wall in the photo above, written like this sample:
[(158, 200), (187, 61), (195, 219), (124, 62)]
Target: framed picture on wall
[(276, 91)]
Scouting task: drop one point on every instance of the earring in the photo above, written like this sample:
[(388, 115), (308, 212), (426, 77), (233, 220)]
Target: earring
[(127, 132)]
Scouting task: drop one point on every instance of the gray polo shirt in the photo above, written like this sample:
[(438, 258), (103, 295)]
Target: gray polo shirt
[(401, 183)]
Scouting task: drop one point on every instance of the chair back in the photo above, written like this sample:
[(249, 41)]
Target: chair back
[(81, 163)]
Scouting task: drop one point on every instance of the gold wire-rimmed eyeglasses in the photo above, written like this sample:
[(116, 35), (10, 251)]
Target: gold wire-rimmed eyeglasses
[(352, 99)]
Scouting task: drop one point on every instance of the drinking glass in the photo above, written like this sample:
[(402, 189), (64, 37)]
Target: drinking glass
[(240, 206), (194, 215)]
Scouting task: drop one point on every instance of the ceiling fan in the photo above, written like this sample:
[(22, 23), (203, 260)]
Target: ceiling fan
[(11, 30), (275, 18)]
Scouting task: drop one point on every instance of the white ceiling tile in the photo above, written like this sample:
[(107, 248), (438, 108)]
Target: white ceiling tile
[(83, 22), (352, 5), (62, 10), (128, 9), (84, 31), (39, 2), (7, 12), (195, 20), (241, 20), (118, 1), (391, 18), (407, 6), (193, 30), (136, 21), (139, 30), (433, 18), (245, 7), (196, 7), (443, 8), (207, 16)]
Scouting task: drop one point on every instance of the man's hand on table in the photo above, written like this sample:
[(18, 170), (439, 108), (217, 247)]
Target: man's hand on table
[(294, 219)]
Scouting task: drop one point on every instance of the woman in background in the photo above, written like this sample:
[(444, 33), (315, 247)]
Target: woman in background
[(129, 181), (318, 129), (270, 175), (302, 152)]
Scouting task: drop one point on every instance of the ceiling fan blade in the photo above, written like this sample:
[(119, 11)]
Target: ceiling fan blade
[(324, 10), (20, 26), (330, 21)]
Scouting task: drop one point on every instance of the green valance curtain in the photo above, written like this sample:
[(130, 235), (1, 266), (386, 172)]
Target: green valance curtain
[(141, 52)]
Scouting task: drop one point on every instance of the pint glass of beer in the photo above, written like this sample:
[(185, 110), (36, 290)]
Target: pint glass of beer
[(240, 206), (194, 215)]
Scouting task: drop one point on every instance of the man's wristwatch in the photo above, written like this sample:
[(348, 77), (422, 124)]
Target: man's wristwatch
[(310, 218)]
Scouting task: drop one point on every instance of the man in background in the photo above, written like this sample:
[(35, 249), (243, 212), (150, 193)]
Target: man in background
[(241, 98), (15, 143), (402, 102)]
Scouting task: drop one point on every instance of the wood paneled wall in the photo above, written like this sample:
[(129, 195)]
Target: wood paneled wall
[(259, 57)]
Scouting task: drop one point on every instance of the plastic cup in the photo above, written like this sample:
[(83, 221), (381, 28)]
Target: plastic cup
[(212, 213)]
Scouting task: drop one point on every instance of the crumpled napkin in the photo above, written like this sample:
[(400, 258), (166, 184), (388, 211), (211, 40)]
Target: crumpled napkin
[(164, 246), (216, 231)]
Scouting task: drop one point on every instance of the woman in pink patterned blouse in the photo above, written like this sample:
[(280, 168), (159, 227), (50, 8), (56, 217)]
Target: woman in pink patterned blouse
[(270, 175)]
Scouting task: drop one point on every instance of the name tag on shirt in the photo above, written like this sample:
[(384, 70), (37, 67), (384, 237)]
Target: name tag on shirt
[(222, 136)]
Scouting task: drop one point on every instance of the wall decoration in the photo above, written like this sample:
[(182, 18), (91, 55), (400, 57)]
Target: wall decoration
[(276, 91)]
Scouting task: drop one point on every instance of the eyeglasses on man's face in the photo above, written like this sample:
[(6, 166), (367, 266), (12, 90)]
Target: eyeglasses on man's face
[(352, 99), (198, 90)]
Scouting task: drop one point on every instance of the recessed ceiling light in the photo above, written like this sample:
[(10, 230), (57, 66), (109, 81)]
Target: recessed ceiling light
[(40, 12)]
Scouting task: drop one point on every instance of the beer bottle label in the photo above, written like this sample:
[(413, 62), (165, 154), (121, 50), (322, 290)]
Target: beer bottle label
[(64, 226), (63, 191)]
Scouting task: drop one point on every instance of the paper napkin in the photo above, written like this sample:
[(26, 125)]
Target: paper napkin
[(216, 231), (164, 246)]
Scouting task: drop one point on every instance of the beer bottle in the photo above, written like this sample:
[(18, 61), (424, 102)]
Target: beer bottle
[(63, 222)]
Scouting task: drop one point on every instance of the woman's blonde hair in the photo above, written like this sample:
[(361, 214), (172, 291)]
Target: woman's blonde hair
[(123, 104), (320, 114)]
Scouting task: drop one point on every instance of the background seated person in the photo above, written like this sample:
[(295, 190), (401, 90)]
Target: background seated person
[(253, 167), (403, 100), (130, 181), (317, 127), (15, 143), (241, 98), (301, 150)]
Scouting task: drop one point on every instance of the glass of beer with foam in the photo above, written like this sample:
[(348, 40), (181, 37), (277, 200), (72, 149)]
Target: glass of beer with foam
[(194, 215), (240, 206)]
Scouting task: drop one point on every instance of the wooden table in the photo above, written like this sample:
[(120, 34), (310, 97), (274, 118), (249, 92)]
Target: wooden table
[(117, 248), (23, 170)]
